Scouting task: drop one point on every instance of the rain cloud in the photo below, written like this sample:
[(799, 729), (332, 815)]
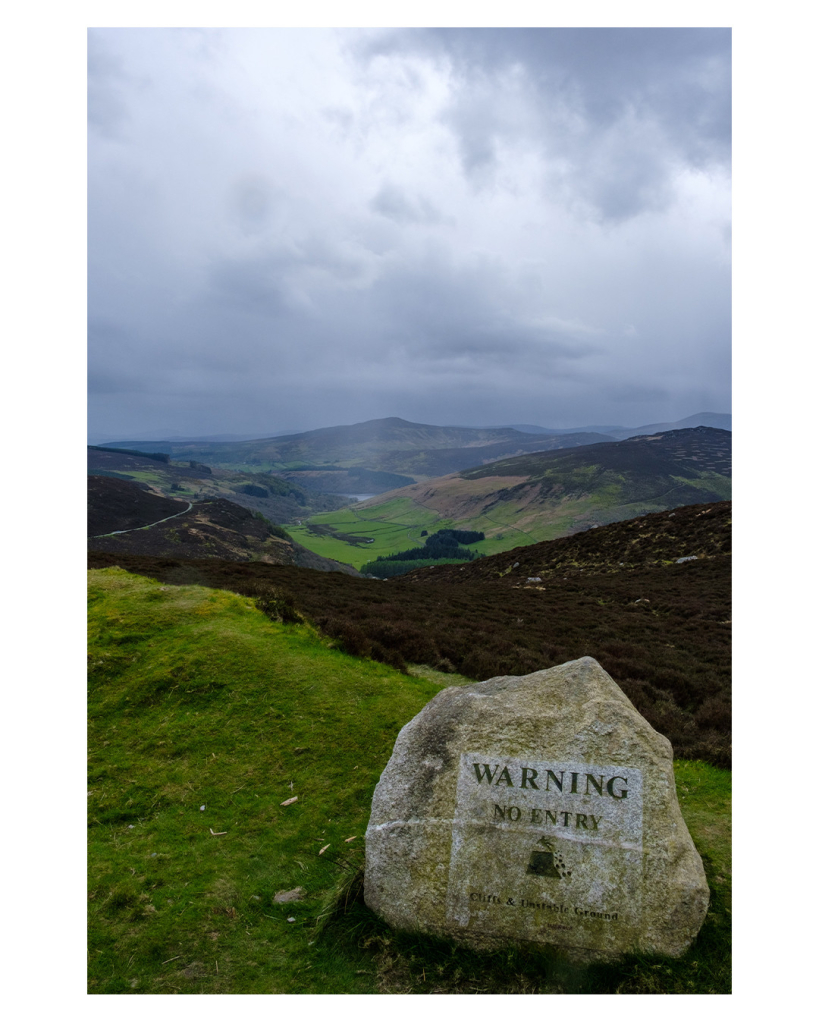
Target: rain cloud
[(294, 228)]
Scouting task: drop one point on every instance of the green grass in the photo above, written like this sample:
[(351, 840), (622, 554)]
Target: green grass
[(397, 524), (711, 482), (394, 526), (197, 700), (156, 478)]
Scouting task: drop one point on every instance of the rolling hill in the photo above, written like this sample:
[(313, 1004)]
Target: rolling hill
[(719, 420), (392, 446), (660, 626), (278, 500), (686, 534), (115, 505), (124, 518), (547, 494)]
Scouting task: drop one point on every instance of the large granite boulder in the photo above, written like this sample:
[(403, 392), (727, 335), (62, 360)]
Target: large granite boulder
[(535, 809)]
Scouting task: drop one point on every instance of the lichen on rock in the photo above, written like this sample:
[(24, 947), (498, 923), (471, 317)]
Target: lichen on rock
[(535, 809)]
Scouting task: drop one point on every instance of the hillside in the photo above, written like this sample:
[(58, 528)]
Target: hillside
[(392, 445), (716, 420), (661, 628), (232, 761), (548, 494), (278, 500), (689, 533), (122, 505), (134, 521), (719, 420)]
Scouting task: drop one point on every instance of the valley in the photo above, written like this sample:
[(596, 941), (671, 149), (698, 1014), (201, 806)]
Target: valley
[(135, 521), (246, 687), (525, 498), (279, 500), (660, 626), (538, 496)]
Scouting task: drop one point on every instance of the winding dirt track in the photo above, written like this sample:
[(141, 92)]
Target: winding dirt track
[(147, 525)]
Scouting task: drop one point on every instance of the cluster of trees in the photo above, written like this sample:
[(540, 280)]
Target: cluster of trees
[(268, 485), (442, 544)]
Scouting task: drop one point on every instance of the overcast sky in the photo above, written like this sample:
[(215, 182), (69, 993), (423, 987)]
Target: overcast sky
[(291, 229)]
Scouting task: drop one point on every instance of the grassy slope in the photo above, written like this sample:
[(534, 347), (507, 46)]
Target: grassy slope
[(394, 526), (661, 629), (546, 495), (196, 699), (284, 502)]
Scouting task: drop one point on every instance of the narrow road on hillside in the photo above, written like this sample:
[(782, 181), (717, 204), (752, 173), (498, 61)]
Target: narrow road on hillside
[(146, 527)]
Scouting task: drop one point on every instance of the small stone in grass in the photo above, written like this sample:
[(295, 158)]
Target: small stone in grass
[(202, 807), (289, 895), (291, 920)]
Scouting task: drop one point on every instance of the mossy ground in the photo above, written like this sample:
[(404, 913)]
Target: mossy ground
[(204, 716)]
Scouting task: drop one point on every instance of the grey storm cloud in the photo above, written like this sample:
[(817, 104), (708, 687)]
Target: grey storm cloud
[(296, 228), (618, 111)]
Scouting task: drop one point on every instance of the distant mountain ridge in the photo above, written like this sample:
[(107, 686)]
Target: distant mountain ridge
[(718, 420), (416, 450), (379, 455)]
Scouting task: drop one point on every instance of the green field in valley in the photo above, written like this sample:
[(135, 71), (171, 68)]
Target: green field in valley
[(544, 495), (396, 525), (393, 526), (205, 718)]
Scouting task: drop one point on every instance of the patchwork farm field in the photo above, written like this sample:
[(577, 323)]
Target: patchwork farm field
[(397, 525), (549, 494), (394, 526)]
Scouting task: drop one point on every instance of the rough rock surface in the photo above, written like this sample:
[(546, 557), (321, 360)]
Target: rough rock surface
[(535, 809)]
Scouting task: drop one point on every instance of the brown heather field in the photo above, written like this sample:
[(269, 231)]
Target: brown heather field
[(661, 629)]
